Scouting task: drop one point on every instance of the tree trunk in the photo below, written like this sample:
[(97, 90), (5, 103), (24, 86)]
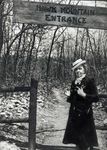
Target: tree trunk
[(49, 57), (1, 31)]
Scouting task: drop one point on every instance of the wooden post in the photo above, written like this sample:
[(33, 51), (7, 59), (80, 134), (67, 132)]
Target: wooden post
[(32, 114)]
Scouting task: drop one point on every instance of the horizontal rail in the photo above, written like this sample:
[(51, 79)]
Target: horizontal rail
[(102, 95), (27, 89), (101, 127), (58, 147), (24, 120), (15, 89), (54, 147)]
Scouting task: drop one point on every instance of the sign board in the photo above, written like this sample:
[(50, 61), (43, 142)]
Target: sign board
[(60, 14)]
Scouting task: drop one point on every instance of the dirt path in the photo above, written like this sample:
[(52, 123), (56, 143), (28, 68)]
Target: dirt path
[(60, 119)]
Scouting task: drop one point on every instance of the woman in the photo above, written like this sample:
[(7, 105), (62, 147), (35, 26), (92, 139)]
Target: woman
[(80, 129)]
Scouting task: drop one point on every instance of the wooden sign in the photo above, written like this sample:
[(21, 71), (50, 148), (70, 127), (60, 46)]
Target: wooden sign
[(60, 14)]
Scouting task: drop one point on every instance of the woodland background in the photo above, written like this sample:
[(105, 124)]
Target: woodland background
[(47, 52)]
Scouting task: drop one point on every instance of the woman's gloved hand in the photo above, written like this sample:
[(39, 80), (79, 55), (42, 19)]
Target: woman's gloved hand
[(81, 92)]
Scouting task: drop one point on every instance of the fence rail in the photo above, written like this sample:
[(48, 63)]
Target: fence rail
[(15, 89), (20, 120), (32, 145), (102, 95)]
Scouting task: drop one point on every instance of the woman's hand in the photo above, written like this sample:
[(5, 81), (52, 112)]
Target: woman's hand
[(67, 93), (81, 92)]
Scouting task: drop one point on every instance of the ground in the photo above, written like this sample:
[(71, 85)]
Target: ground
[(52, 116)]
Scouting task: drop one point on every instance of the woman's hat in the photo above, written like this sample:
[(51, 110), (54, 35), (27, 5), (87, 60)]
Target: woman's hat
[(78, 63)]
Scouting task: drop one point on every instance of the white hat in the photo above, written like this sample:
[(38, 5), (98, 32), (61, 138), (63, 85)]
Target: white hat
[(78, 63)]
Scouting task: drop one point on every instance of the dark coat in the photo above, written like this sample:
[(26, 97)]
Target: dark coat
[(80, 129)]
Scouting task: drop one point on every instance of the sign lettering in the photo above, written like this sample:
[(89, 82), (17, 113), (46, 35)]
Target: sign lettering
[(60, 14)]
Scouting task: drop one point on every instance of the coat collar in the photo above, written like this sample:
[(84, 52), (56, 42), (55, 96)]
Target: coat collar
[(83, 81)]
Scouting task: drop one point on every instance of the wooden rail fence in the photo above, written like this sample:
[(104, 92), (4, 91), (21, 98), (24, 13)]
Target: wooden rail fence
[(32, 111), (32, 145)]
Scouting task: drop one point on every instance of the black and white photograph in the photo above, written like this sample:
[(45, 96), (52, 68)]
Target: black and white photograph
[(53, 74)]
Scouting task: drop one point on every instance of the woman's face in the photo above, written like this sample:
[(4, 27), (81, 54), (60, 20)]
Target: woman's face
[(79, 71)]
